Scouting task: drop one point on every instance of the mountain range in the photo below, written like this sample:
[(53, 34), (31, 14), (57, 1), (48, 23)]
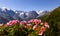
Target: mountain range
[(8, 14)]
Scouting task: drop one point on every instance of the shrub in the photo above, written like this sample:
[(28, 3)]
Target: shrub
[(34, 27)]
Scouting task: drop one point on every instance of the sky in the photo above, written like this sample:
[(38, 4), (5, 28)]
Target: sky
[(29, 5)]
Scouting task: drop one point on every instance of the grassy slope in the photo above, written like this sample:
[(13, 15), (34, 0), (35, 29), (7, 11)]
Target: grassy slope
[(53, 18)]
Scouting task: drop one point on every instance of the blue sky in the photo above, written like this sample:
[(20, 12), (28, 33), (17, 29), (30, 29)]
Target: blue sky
[(28, 5)]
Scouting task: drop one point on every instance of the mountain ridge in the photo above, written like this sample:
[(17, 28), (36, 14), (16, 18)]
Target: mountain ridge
[(9, 14)]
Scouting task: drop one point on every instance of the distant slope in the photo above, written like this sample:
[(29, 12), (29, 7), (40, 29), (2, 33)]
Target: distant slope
[(42, 14)]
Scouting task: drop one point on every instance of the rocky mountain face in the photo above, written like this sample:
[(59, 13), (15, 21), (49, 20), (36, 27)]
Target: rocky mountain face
[(27, 15), (31, 15), (6, 15)]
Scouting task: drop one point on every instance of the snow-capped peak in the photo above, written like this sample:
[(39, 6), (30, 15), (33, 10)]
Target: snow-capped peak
[(3, 8), (40, 11), (16, 12), (21, 13)]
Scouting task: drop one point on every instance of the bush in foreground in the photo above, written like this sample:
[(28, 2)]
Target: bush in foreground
[(33, 27)]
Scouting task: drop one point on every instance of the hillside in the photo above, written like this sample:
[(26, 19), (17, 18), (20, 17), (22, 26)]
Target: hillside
[(53, 19)]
